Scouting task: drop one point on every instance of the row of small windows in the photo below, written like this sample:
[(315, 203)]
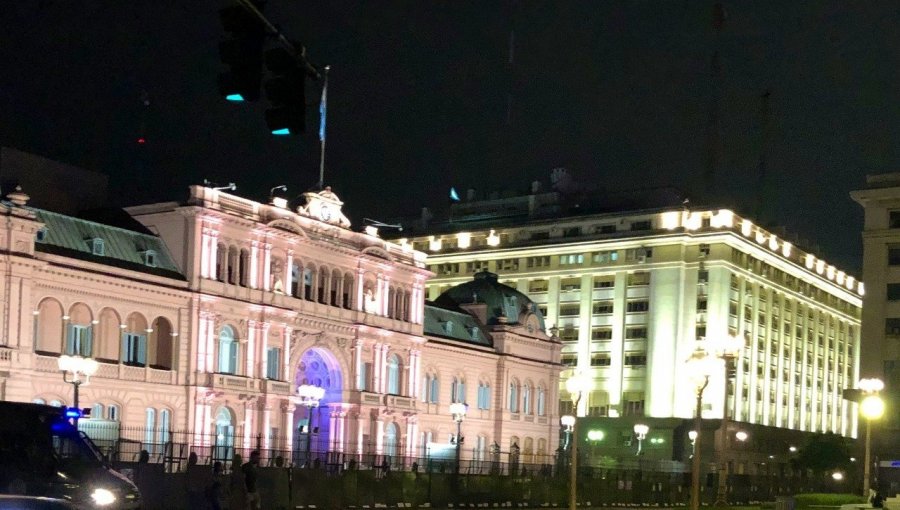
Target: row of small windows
[(637, 279), (633, 255), (603, 359), (601, 333), (97, 246)]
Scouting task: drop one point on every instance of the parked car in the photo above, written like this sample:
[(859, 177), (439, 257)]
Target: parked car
[(42, 454), (34, 503)]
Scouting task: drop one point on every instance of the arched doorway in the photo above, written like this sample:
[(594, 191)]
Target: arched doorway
[(224, 439), (318, 367), (391, 440)]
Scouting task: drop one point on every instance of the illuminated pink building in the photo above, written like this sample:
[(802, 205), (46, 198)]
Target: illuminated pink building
[(209, 319)]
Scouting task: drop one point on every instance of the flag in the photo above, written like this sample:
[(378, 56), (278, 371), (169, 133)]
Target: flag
[(454, 195), (322, 106)]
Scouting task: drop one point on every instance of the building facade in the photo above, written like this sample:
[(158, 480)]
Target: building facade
[(632, 294), (881, 313), (205, 324)]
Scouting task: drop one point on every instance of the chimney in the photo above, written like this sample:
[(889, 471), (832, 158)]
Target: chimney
[(470, 194)]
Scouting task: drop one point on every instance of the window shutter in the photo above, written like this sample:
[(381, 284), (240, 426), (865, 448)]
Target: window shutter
[(461, 397), (126, 355), (87, 342), (142, 349), (233, 357), (70, 339)]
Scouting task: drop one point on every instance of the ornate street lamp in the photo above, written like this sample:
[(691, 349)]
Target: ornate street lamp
[(728, 349), (699, 368), (576, 385), (458, 410), (872, 408), (640, 430), (77, 371), (310, 396)]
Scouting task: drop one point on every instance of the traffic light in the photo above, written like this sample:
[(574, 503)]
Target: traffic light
[(286, 91), (242, 52)]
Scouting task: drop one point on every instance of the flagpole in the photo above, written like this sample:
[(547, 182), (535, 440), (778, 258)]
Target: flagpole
[(322, 111)]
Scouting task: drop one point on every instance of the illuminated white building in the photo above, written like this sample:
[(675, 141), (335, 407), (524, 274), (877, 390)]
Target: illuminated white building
[(634, 293), (207, 328)]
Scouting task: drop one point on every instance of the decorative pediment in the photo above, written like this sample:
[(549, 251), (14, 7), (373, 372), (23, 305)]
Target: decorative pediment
[(324, 206)]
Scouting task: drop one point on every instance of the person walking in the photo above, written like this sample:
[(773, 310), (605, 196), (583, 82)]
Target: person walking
[(214, 491), (251, 476)]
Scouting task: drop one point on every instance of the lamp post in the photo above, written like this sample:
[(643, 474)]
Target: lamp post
[(640, 430), (699, 367), (576, 385), (76, 371), (458, 411), (872, 408), (727, 349), (309, 398)]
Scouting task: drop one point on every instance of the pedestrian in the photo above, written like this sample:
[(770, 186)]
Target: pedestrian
[(251, 476), (214, 491)]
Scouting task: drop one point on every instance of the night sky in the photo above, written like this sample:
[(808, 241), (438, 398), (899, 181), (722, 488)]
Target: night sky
[(423, 96)]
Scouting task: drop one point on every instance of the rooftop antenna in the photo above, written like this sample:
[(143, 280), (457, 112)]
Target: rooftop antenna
[(231, 187), (379, 224), (282, 187)]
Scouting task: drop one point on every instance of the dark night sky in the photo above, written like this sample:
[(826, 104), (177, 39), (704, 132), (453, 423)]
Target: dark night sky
[(618, 92)]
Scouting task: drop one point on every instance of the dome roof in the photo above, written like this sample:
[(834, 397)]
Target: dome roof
[(505, 305)]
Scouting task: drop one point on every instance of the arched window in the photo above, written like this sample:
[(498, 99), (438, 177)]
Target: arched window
[(458, 390), (162, 344), (39, 401), (149, 429), (541, 401), (393, 375), (322, 285), (224, 438), (526, 398), (430, 388), (391, 439), (134, 341), (112, 413), (228, 351), (296, 284), (48, 327), (454, 389), (514, 396), (232, 266), (484, 395), (56, 403), (347, 300), (97, 412), (79, 331)]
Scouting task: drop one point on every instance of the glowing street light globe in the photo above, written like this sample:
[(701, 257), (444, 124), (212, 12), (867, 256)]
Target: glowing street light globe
[(577, 384), (692, 435), (458, 410), (872, 407), (870, 385), (641, 430), (310, 395), (837, 476), (595, 435), (740, 435), (567, 421)]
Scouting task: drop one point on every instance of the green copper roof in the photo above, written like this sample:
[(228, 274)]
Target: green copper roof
[(74, 237), (455, 325), (501, 300)]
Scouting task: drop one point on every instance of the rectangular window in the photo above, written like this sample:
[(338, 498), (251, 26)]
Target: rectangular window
[(642, 305), (701, 331), (894, 219), (134, 349), (600, 359), (603, 308), (892, 327), (606, 229), (894, 256), (273, 363), (638, 254), (508, 265), (636, 359), (362, 382), (701, 304), (601, 334), (569, 359), (636, 279), (604, 282), (636, 333), (571, 259), (79, 341), (572, 232), (538, 286), (476, 266), (538, 261), (568, 284), (605, 257), (569, 310), (641, 225), (704, 251), (569, 335), (893, 291)]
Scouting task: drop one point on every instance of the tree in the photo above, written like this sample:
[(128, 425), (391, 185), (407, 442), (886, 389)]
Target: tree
[(823, 453)]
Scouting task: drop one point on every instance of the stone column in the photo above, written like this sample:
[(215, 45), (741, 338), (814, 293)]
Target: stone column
[(251, 343), (289, 273), (267, 267), (254, 265), (288, 331)]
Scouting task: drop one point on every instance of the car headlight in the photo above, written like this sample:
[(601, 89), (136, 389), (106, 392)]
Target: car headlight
[(103, 497)]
